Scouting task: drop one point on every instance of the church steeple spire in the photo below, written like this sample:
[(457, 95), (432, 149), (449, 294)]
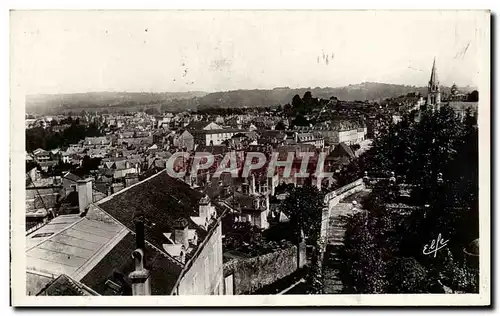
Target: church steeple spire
[(434, 81), (433, 92)]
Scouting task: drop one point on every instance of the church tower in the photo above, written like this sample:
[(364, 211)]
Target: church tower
[(433, 92)]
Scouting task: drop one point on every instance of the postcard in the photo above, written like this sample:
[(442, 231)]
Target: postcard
[(250, 158)]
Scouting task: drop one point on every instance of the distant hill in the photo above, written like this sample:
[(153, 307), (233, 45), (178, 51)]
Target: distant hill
[(57, 103), (180, 101), (361, 92)]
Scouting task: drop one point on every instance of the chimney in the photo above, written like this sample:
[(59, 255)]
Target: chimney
[(271, 186), (227, 189), (84, 193), (141, 284), (204, 207), (180, 227), (252, 185), (256, 203), (244, 188)]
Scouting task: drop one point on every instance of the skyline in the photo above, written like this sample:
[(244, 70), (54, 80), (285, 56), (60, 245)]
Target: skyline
[(165, 51)]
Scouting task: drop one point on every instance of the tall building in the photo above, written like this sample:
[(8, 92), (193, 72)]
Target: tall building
[(433, 91)]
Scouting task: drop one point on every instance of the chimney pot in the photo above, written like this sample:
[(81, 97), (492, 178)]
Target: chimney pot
[(180, 227)]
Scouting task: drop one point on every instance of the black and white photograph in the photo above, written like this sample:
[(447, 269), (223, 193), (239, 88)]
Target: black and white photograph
[(250, 158)]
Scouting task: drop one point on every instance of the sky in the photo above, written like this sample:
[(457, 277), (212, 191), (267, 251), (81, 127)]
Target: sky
[(169, 51)]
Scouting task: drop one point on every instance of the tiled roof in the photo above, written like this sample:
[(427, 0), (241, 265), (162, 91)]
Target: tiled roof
[(118, 263)]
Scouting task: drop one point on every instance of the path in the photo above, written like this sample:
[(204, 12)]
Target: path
[(335, 241)]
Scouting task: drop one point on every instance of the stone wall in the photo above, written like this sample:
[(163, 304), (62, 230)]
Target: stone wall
[(251, 274), (332, 199)]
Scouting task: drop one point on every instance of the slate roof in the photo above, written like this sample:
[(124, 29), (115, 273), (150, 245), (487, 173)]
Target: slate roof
[(118, 263), (71, 176), (63, 285), (146, 174), (162, 199)]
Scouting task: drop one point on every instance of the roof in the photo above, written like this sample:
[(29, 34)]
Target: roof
[(199, 125), (40, 151), (217, 131), (342, 150), (63, 285), (71, 176), (73, 250), (57, 224), (118, 263), (49, 163), (214, 149), (46, 201), (161, 199)]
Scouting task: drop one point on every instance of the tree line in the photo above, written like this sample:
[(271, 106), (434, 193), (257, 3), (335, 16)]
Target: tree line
[(437, 154), (48, 138)]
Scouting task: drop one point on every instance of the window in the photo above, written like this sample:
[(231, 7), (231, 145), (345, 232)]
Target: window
[(42, 235), (113, 286)]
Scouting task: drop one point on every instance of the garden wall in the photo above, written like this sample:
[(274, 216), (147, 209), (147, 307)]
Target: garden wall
[(251, 274)]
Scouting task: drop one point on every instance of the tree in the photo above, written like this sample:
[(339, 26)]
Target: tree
[(438, 155), (300, 120), (297, 101), (473, 96), (304, 206), (307, 98), (407, 275), (288, 110)]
